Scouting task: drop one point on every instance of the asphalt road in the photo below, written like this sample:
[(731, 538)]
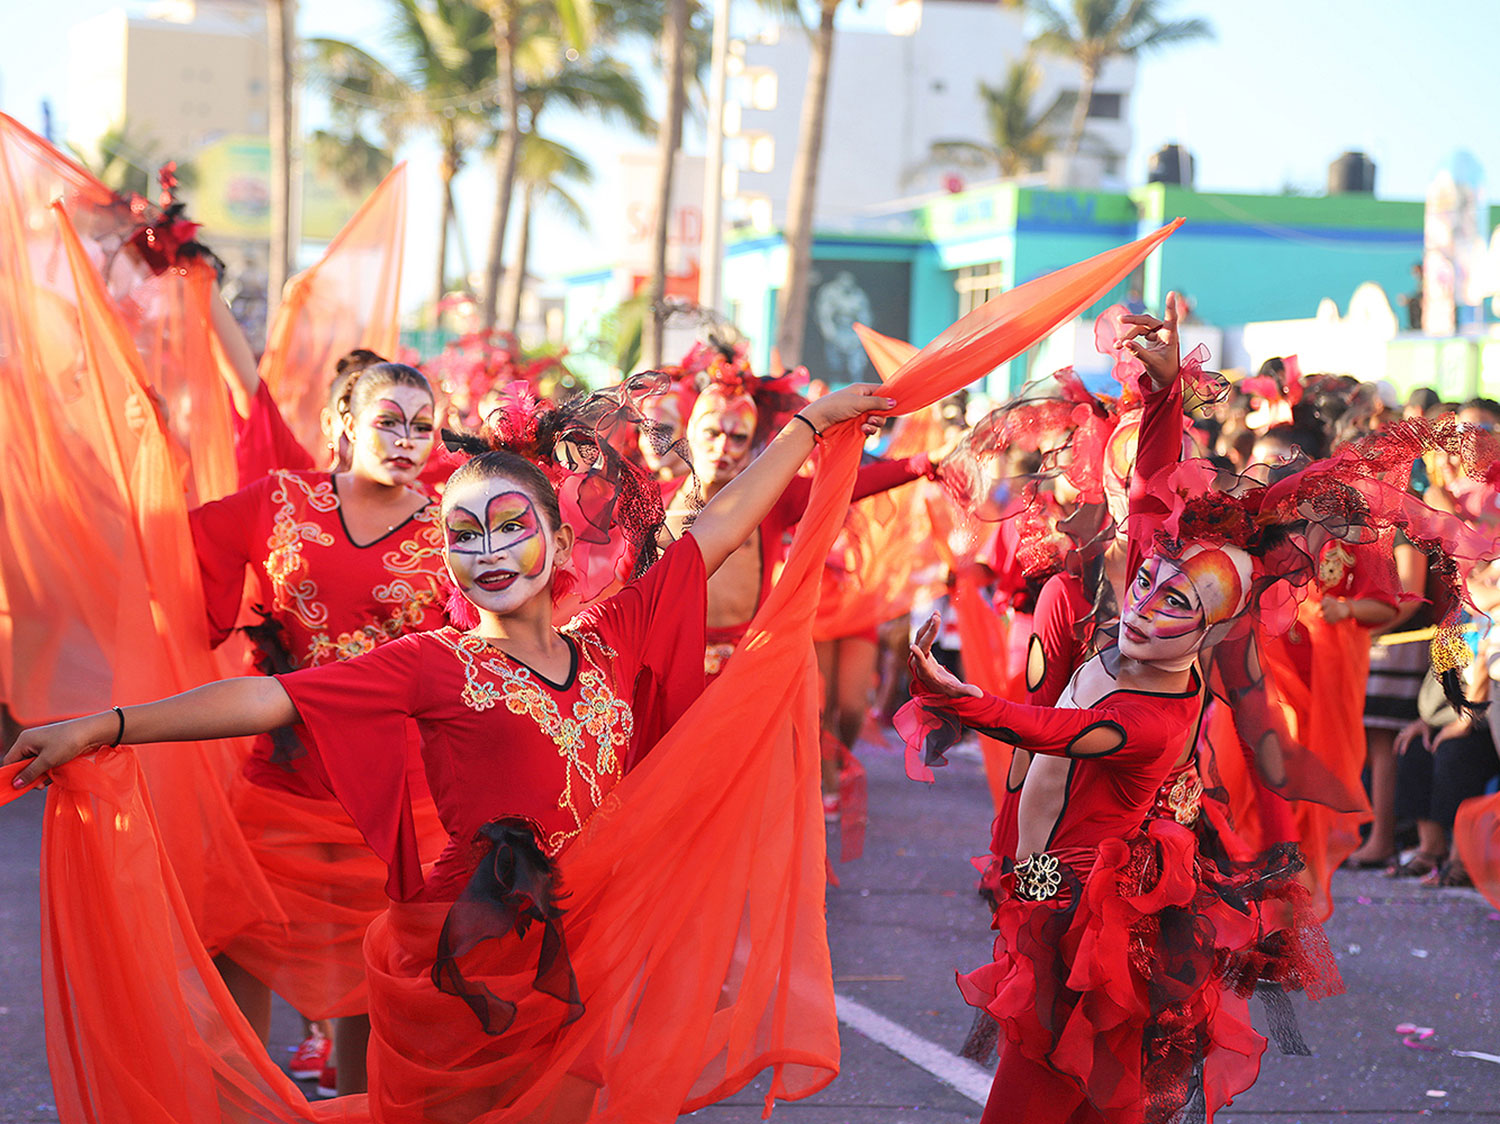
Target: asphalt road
[(905, 918)]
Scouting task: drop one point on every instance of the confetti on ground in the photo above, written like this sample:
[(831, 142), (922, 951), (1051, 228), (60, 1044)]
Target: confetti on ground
[(1415, 1036), (1362, 900), (1437, 1092), (1420, 953)]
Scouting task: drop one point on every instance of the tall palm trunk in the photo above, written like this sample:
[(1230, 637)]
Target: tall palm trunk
[(281, 18), (791, 308), (507, 32), (1088, 75), (448, 170), (516, 279), (668, 140)]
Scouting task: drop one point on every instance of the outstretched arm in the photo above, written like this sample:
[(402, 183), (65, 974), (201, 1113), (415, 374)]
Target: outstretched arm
[(731, 516), (252, 704)]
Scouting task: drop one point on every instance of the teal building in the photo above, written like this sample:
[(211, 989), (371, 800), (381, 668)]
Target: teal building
[(1237, 258)]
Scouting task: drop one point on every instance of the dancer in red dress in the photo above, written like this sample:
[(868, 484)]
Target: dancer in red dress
[(481, 1010), (344, 562)]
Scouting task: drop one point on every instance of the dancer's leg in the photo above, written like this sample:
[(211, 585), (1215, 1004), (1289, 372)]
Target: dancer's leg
[(351, 1040)]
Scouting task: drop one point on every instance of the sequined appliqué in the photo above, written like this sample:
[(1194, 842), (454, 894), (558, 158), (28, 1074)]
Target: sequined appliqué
[(1186, 798), (590, 740), (1038, 877)]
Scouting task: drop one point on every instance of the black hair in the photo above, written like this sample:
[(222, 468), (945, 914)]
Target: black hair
[(378, 377), (1423, 398), (346, 371)]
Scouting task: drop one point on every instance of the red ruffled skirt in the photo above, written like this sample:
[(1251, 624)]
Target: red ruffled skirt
[(1133, 980)]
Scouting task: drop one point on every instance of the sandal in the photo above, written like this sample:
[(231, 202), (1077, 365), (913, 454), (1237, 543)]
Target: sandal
[(1420, 865), (1451, 875), (1351, 863)]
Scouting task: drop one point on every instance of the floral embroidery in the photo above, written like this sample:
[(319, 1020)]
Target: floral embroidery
[(1038, 877), (292, 591), (589, 741)]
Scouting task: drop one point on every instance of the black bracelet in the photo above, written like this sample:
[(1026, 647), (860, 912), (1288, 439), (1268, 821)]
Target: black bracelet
[(816, 432), (119, 733)]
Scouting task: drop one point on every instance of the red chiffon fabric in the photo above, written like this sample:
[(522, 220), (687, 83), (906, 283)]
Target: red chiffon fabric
[(1476, 832), (695, 916), (350, 298), (98, 570), (1324, 712)]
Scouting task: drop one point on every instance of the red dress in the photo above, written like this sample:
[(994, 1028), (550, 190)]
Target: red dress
[(496, 737), (322, 599), (1127, 947), (504, 749)]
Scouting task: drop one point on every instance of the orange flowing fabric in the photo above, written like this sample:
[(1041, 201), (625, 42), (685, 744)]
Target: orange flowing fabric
[(1476, 832), (99, 570), (694, 921), (890, 534), (349, 299), (1325, 715)]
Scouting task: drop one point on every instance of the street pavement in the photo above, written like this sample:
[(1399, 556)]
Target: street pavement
[(905, 917)]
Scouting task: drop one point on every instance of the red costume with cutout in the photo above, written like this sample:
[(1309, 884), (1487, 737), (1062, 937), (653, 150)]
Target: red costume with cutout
[(1128, 943)]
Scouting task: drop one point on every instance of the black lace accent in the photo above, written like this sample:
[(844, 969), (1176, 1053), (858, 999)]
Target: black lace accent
[(513, 888)]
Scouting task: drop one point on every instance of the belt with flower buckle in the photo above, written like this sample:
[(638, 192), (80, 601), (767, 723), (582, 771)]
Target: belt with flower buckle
[(1038, 877)]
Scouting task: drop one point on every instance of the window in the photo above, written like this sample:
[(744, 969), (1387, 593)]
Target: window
[(1105, 106), (976, 284)]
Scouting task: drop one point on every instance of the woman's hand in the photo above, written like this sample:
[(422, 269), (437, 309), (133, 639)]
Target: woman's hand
[(932, 675), (1154, 342), (1335, 609), (860, 400), (1416, 733), (57, 744)]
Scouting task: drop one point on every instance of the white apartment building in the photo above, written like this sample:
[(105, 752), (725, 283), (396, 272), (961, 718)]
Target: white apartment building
[(891, 95)]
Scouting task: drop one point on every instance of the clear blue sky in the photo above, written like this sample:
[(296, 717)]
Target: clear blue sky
[(1285, 86)]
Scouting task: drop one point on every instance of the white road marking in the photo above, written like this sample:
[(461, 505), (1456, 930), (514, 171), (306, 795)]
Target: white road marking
[(958, 1073)]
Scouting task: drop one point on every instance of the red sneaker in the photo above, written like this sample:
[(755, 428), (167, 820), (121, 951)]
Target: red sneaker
[(831, 807), (310, 1057), (328, 1082)]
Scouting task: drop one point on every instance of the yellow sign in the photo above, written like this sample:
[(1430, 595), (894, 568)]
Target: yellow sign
[(232, 196)]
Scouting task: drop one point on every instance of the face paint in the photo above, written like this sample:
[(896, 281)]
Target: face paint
[(719, 436), (393, 435), (1173, 602), (1163, 622), (499, 551)]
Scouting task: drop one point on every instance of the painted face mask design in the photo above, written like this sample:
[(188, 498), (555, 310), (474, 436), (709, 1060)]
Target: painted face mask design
[(393, 435), (719, 435), (498, 551), (1173, 601)]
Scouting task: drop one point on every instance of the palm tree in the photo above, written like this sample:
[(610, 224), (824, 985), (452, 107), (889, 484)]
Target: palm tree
[(1093, 31), (529, 37), (281, 34), (791, 307), (441, 81), (668, 141), (355, 161), (1019, 137), (599, 85), (542, 166)]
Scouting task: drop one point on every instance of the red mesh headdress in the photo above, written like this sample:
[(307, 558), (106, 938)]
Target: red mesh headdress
[(613, 506), (1357, 495)]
